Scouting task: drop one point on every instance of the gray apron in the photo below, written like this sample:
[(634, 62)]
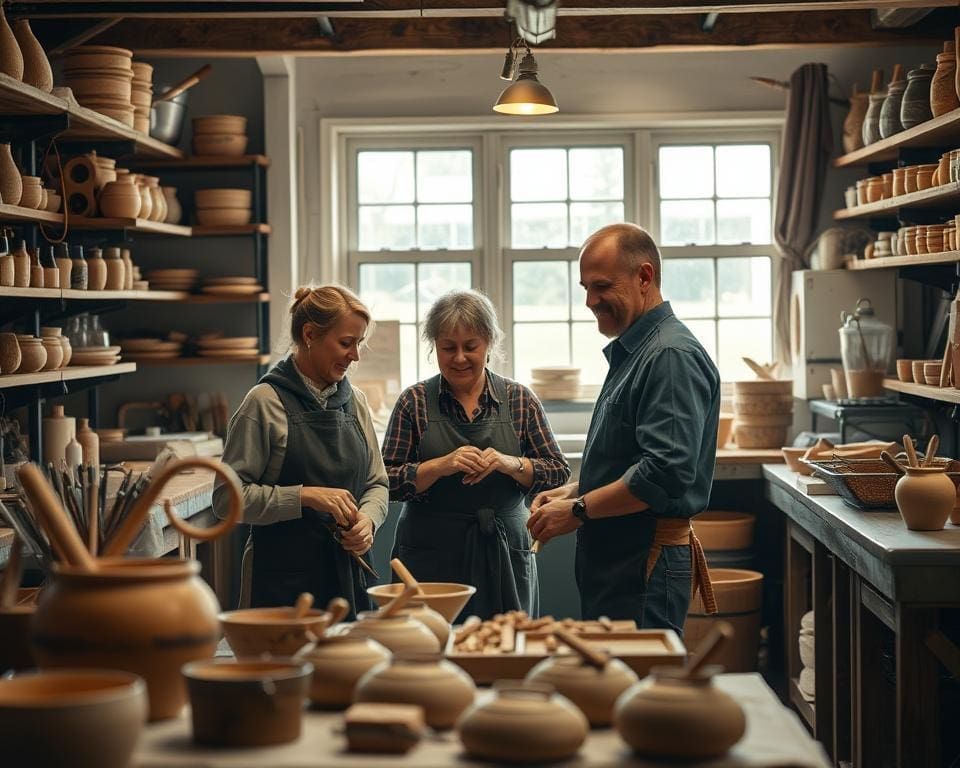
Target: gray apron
[(325, 447), (471, 534)]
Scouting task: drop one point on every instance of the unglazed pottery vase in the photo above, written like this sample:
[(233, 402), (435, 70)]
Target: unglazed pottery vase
[(9, 353), (89, 442), (11, 60), (398, 633), (871, 122), (121, 198), (32, 355), (339, 661), (21, 266), (925, 497), (11, 183), (595, 691), (36, 66), (853, 123), (116, 269), (96, 270), (890, 111), (943, 87), (915, 108), (174, 209)]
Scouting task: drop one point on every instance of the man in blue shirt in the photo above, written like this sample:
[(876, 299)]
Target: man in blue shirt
[(651, 447)]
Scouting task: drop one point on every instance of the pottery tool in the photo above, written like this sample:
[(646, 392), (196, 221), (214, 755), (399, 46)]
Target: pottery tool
[(762, 371), (337, 531), (911, 453), (405, 576), (337, 608), (591, 656), (10, 581), (535, 547), (397, 603), (471, 625), (892, 463), (93, 509), (186, 84), (946, 366), (19, 519), (931, 451), (709, 647), (303, 605)]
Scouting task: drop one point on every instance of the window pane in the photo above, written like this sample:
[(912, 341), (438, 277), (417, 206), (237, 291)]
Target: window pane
[(688, 283), (686, 172), (596, 173), (743, 170), (427, 359), (743, 221), (743, 338), (408, 355), (588, 344), (706, 333), (385, 177), (540, 290), (386, 227), (578, 296), (539, 344), (445, 176), (686, 222), (538, 174), (744, 286), (435, 279), (388, 289), (445, 226), (538, 225), (587, 218)]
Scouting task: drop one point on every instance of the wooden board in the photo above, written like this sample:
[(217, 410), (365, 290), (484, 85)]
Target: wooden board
[(942, 131), (939, 198), (920, 260), (814, 486)]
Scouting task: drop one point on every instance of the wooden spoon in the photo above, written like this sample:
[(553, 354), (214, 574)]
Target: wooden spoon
[(337, 608), (892, 463), (591, 656), (709, 647), (10, 581), (911, 453), (186, 84), (931, 451), (303, 605), (405, 576), (761, 370), (397, 603)]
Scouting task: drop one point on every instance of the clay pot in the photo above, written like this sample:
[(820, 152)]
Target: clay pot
[(98, 56), (72, 718), (219, 124), (96, 270), (223, 198), (439, 686), (224, 217), (11, 184), (11, 60), (853, 123), (7, 268), (446, 598), (36, 66), (146, 201), (339, 662), (595, 691), (899, 181), (21, 266), (915, 108), (398, 633), (887, 180), (174, 209), (149, 617), (276, 631), (721, 530), (115, 269), (32, 354), (158, 210), (874, 189), (658, 716), (32, 192), (53, 201), (431, 620), (943, 168), (120, 199), (54, 353), (943, 89), (740, 599), (9, 353), (67, 351), (524, 723), (890, 111), (925, 497), (247, 703), (89, 443), (219, 144), (925, 176)]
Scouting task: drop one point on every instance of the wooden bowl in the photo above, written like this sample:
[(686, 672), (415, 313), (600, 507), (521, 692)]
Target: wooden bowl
[(446, 598), (918, 366), (792, 458), (905, 370), (235, 124), (223, 198), (223, 217), (724, 429), (62, 718), (222, 144), (253, 631)]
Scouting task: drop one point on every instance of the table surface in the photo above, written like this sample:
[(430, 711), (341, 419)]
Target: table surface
[(774, 737)]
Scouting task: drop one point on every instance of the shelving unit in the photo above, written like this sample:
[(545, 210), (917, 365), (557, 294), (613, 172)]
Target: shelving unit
[(15, 214), (259, 359), (945, 197), (139, 226), (199, 230), (803, 707), (70, 373), (939, 394), (939, 132)]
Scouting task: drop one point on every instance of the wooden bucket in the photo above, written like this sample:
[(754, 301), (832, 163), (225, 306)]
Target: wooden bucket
[(739, 596), (727, 538)]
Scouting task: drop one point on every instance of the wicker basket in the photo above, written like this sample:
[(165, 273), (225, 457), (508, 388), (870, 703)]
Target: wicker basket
[(868, 483)]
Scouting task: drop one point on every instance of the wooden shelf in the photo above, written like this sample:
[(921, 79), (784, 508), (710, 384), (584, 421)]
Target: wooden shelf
[(941, 394), (70, 373), (944, 197), (72, 293), (29, 293), (178, 361), (134, 225), (803, 707), (943, 131), (207, 161), (245, 229), (16, 213), (206, 298), (920, 260)]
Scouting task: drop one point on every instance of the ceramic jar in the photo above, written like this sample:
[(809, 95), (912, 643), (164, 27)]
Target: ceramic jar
[(11, 60), (61, 255), (925, 176), (36, 271), (7, 268), (595, 691), (11, 183), (861, 191), (58, 430), (149, 617), (146, 201), (398, 633), (432, 620), (158, 204), (54, 353), (915, 108), (899, 181), (943, 88), (925, 497), (89, 443), (116, 269), (874, 189), (920, 237), (174, 209), (657, 716), (910, 178), (439, 686), (523, 723), (96, 270), (32, 354), (120, 199), (9, 353), (67, 351), (21, 266), (853, 123), (890, 111), (31, 192), (871, 122), (36, 66), (339, 661), (887, 186), (51, 273), (79, 276), (128, 269), (935, 238)]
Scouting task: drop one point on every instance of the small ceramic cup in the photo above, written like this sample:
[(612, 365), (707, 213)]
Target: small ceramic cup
[(828, 392), (850, 197), (917, 365), (905, 370), (931, 373)]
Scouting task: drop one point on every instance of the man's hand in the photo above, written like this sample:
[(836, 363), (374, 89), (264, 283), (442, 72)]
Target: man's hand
[(359, 537), (568, 491), (492, 461), (337, 501), (553, 518)]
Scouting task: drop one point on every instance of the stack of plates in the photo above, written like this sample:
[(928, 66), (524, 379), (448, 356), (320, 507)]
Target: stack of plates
[(101, 78), (95, 356), (231, 286), (150, 349), (172, 279), (228, 346), (141, 95), (556, 382)]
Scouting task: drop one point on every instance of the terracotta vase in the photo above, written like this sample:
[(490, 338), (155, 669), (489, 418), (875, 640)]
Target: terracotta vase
[(21, 266), (36, 270), (431, 620), (54, 353), (871, 121), (339, 661), (79, 274), (657, 716), (11, 60), (853, 123), (11, 183), (58, 430), (120, 199), (398, 633), (174, 209), (915, 107), (925, 497), (96, 270), (36, 66), (9, 353), (890, 111), (149, 617), (523, 723), (146, 201), (61, 255), (32, 354), (90, 443), (7, 270), (128, 271), (594, 690), (115, 269), (943, 87)]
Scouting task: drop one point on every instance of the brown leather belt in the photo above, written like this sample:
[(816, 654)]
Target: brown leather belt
[(676, 532)]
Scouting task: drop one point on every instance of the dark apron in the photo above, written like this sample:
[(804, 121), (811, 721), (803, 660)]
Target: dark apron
[(471, 534), (325, 447)]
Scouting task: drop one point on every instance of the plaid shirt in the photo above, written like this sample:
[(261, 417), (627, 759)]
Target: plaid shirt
[(401, 445)]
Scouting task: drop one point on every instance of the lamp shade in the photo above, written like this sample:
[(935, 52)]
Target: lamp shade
[(527, 96)]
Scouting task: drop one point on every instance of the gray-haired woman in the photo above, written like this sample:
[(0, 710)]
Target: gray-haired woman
[(462, 450)]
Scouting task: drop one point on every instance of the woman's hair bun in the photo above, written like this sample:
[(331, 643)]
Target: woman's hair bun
[(301, 293)]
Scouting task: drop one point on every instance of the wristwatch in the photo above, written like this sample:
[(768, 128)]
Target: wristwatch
[(580, 509), (519, 463)]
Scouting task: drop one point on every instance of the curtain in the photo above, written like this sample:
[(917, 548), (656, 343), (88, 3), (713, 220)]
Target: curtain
[(807, 146)]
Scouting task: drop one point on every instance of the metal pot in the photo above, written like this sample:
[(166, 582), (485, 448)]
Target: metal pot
[(166, 117)]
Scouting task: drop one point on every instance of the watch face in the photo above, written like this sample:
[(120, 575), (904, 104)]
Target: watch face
[(580, 509)]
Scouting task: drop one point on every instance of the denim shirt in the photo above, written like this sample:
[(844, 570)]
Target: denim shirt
[(655, 422)]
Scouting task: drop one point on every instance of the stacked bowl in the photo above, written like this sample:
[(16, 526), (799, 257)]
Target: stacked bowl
[(101, 78), (763, 412), (141, 95), (223, 207), (223, 135)]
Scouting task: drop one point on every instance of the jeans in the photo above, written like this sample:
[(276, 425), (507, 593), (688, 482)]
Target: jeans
[(667, 596)]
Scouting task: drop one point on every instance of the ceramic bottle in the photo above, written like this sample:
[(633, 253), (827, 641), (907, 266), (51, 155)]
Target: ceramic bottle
[(90, 443), (116, 269), (174, 209), (943, 87), (915, 107), (11, 60), (146, 201), (61, 257), (7, 271), (21, 266), (79, 277), (11, 183), (853, 123), (51, 272), (9, 353), (128, 268), (36, 270), (36, 66), (925, 497), (58, 431), (96, 270)]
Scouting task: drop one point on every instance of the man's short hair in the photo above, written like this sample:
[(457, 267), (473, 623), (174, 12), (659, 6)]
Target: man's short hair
[(634, 246)]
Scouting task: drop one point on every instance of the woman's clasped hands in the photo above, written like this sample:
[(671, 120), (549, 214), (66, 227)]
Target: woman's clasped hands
[(477, 464), (356, 529)]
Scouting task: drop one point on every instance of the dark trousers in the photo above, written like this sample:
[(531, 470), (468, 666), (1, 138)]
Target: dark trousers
[(667, 596)]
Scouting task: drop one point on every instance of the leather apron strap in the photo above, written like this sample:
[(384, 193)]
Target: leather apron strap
[(675, 532)]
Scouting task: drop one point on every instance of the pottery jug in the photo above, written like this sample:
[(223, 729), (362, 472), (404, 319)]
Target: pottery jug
[(594, 690), (115, 269), (36, 67), (73, 456), (32, 354), (943, 87), (915, 107), (36, 270), (174, 209), (90, 443), (67, 351), (431, 620), (398, 633), (339, 661), (890, 111), (51, 272), (871, 121), (7, 270), (158, 203), (96, 270), (925, 497), (11, 183), (853, 123), (61, 255), (58, 431), (21, 266), (120, 199), (439, 686), (11, 60), (658, 715), (79, 276), (54, 353), (9, 353), (523, 723), (146, 201), (128, 271)]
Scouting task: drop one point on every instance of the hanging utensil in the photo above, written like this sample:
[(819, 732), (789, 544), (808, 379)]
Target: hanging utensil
[(184, 85)]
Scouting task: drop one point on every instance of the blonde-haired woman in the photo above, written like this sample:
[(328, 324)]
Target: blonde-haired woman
[(303, 444)]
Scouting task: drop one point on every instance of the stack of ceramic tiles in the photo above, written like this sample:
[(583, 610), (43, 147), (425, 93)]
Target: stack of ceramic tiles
[(806, 684)]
